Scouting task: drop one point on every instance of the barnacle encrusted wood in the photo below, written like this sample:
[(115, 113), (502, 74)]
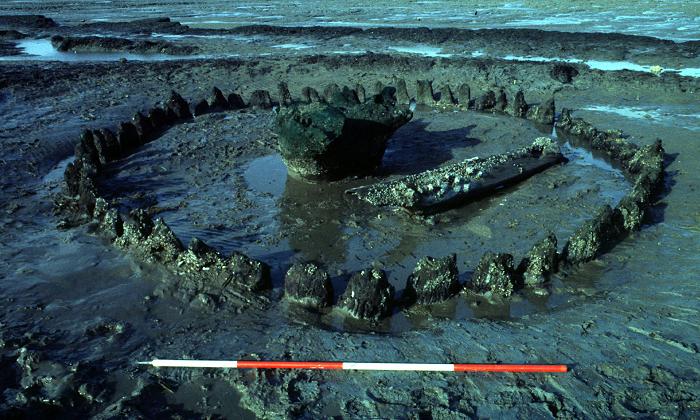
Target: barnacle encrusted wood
[(459, 182)]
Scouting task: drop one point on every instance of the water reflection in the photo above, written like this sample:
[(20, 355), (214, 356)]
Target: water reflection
[(312, 217), (43, 50)]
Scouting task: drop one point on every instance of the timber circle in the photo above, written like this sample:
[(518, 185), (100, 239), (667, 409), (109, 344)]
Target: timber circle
[(344, 132)]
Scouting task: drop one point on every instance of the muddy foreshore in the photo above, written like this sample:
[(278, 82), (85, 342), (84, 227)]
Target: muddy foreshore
[(476, 42), (79, 312)]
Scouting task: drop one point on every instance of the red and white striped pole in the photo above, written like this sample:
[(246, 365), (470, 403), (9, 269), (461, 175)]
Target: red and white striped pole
[(414, 367)]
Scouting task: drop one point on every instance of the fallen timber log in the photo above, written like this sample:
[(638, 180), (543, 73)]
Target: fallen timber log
[(451, 185)]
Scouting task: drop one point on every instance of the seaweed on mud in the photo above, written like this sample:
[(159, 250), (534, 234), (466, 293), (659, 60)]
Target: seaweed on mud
[(108, 44)]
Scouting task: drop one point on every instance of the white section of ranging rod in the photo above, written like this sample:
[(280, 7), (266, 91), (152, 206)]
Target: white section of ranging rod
[(192, 363), (428, 367)]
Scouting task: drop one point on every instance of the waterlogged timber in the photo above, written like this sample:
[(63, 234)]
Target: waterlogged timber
[(589, 264), (461, 182)]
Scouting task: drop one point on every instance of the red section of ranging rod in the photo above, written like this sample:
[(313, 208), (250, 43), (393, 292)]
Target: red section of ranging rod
[(469, 367), (261, 364)]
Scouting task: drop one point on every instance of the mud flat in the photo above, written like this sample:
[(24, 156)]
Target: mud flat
[(597, 257), (671, 20)]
